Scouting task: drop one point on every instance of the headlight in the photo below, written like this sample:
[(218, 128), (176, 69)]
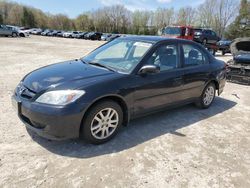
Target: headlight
[(60, 97)]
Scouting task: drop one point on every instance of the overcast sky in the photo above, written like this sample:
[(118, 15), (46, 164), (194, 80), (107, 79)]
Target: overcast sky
[(74, 7)]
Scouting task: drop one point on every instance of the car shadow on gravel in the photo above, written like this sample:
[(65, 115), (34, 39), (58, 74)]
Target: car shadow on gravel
[(138, 131)]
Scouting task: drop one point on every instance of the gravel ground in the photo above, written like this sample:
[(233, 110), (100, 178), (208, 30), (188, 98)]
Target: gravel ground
[(184, 147)]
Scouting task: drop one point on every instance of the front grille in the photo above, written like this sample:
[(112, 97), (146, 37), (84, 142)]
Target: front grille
[(24, 92), (239, 71), (28, 94), (239, 75)]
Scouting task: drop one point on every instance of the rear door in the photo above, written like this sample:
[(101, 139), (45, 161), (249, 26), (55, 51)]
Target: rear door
[(196, 69)]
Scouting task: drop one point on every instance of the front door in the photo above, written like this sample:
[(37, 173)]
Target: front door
[(157, 90)]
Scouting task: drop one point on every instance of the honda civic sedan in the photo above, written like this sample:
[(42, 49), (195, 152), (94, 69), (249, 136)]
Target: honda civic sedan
[(93, 97)]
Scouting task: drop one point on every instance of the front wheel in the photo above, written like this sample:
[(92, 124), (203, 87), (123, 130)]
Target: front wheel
[(102, 122), (204, 42), (207, 97)]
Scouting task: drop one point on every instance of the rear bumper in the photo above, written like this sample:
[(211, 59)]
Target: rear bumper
[(51, 123), (221, 86)]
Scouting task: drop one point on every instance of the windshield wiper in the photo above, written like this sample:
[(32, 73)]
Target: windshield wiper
[(101, 65), (82, 61)]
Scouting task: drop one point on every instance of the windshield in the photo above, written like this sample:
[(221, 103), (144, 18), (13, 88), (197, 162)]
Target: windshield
[(120, 55), (172, 31), (197, 31)]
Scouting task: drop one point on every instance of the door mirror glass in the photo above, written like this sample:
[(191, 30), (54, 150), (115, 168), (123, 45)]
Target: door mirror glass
[(149, 69)]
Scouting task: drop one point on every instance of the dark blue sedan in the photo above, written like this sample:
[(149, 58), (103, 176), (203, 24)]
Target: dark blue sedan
[(94, 96)]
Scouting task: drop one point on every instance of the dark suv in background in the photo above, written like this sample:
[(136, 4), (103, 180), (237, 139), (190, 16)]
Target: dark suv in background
[(206, 36)]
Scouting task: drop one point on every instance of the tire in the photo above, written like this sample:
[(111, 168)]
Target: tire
[(207, 96), (204, 41), (14, 35), (214, 52), (223, 52), (97, 129)]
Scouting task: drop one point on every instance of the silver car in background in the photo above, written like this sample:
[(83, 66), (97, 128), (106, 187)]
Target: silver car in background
[(8, 31)]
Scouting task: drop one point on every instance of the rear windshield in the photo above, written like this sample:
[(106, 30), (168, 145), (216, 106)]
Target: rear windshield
[(172, 31)]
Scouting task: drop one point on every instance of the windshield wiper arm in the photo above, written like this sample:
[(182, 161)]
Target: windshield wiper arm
[(101, 65), (82, 61)]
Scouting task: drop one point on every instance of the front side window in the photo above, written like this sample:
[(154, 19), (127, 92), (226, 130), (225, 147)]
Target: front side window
[(193, 56), (208, 32), (165, 56), (120, 55)]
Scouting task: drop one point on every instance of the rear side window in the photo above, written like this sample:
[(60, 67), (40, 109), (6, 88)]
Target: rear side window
[(213, 33), (193, 56)]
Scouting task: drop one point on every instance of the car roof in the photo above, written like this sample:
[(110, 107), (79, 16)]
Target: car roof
[(153, 39)]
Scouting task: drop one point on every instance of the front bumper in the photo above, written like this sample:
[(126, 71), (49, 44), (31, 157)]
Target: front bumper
[(239, 74), (56, 123), (197, 39)]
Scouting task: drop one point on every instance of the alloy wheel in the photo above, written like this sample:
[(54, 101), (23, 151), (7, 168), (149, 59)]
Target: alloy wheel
[(104, 123), (208, 95)]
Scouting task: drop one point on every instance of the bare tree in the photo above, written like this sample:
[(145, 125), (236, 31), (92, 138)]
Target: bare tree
[(14, 15), (186, 16), (140, 21), (119, 17), (163, 17), (226, 11), (217, 14)]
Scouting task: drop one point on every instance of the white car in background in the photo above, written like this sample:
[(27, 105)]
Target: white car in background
[(70, 34)]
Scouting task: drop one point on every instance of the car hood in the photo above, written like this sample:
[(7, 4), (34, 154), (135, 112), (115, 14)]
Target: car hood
[(66, 75), (240, 46)]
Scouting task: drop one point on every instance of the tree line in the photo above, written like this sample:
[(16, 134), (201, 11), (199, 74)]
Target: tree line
[(215, 14)]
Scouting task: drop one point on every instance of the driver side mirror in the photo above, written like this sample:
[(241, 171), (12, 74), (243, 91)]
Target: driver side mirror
[(149, 69)]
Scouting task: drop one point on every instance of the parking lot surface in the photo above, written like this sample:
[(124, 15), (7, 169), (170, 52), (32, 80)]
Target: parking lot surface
[(183, 147)]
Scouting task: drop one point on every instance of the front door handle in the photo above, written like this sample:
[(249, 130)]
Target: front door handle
[(178, 79)]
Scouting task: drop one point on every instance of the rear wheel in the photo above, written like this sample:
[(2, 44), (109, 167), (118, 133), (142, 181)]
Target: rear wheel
[(223, 52), (14, 35), (207, 97), (102, 122)]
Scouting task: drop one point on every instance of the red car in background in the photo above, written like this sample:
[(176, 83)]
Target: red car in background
[(182, 32), (188, 33)]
